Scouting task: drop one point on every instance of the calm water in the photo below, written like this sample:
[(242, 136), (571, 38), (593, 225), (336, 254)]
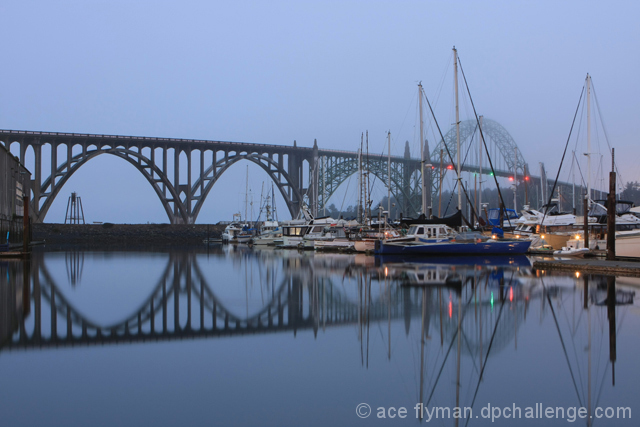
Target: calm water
[(234, 336)]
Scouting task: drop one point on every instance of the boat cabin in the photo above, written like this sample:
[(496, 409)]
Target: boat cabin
[(295, 230), (429, 231)]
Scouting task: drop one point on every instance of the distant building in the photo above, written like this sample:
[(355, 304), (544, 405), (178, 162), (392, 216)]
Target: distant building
[(15, 182)]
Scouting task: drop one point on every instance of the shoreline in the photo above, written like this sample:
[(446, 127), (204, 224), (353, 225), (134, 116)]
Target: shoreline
[(134, 234)]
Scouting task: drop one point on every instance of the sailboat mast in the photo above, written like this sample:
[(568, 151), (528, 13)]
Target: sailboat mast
[(360, 179), (423, 189), (588, 141), (246, 196), (480, 164), (455, 83), (389, 175), (367, 188), (515, 181)]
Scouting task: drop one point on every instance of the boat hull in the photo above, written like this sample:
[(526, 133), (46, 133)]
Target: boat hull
[(491, 247), (628, 246)]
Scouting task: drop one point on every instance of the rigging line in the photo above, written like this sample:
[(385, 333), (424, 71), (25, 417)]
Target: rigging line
[(484, 142), (555, 183), (575, 351), (446, 209), (393, 139), (604, 128), (468, 344), (486, 358), (451, 159), (345, 193), (453, 339), (444, 75), (582, 180), (564, 348), (575, 146)]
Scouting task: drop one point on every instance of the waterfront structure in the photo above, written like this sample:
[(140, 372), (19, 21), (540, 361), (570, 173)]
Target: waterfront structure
[(303, 175), (15, 184)]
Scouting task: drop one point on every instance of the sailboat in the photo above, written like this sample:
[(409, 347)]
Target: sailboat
[(442, 239)]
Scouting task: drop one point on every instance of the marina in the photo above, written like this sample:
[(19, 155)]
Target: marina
[(292, 214)]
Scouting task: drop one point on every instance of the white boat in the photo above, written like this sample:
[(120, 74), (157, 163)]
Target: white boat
[(270, 230), (231, 231), (575, 248), (338, 244), (628, 244)]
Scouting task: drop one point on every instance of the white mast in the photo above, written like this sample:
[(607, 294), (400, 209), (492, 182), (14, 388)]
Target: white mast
[(389, 175), (480, 163), (588, 141), (423, 189), (246, 196), (455, 83), (360, 204), (515, 181)]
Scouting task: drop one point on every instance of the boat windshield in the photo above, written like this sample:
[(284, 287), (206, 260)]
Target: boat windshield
[(413, 230), (622, 207)]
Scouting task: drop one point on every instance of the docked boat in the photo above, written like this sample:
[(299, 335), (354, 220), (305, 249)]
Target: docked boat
[(628, 244), (509, 221), (470, 243), (231, 231), (365, 240), (269, 232)]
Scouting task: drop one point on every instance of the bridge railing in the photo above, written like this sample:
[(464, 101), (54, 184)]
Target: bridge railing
[(140, 138)]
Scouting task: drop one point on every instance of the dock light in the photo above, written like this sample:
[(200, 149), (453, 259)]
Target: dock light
[(517, 236), (494, 237), (577, 237), (542, 236), (386, 271), (577, 274)]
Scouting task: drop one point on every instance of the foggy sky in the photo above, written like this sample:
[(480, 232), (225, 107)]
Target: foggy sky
[(274, 72)]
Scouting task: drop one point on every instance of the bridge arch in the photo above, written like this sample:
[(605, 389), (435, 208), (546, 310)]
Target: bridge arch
[(499, 143), (334, 171), (50, 187), (204, 183)]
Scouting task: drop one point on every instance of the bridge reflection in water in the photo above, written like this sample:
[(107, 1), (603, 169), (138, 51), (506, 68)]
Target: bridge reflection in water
[(299, 291)]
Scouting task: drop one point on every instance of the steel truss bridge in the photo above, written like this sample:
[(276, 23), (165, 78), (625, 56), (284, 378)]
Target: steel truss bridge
[(302, 174), (183, 305)]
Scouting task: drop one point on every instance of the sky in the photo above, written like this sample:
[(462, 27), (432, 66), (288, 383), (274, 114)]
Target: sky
[(278, 71)]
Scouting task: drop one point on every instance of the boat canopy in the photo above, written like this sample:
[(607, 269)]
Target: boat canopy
[(453, 221)]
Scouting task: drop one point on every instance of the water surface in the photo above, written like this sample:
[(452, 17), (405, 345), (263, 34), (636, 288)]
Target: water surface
[(233, 336)]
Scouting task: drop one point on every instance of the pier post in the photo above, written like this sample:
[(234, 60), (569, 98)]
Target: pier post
[(611, 213)]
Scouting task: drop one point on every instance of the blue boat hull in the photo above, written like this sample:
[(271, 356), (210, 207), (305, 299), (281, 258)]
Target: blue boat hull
[(499, 247)]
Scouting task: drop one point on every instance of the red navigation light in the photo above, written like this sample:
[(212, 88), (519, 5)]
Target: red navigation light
[(526, 178), (510, 178), (433, 167), (450, 167)]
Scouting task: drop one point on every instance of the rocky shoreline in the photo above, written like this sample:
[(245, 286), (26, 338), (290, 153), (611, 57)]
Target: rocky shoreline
[(126, 234)]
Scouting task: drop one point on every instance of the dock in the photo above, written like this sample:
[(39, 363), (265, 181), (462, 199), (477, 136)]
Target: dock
[(592, 266)]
